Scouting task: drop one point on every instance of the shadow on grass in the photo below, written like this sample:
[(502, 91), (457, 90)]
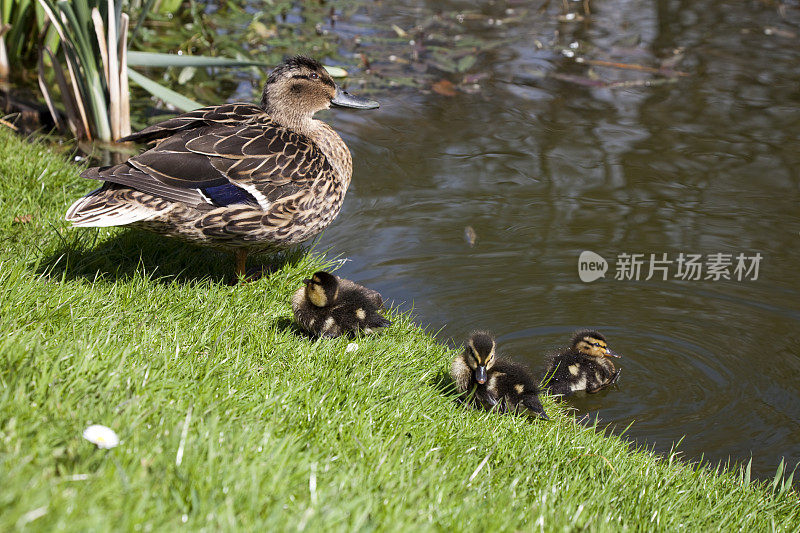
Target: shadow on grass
[(443, 382), (288, 325), (81, 255)]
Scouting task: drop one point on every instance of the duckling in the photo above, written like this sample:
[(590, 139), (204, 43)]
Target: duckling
[(585, 365), (329, 306), (497, 383), (237, 177)]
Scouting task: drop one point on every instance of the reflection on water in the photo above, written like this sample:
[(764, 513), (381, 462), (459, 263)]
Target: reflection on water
[(545, 169)]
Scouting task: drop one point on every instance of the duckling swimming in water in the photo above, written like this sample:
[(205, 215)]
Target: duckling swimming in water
[(498, 383), (330, 306), (585, 365)]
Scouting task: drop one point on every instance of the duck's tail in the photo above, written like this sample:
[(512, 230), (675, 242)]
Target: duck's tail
[(108, 206)]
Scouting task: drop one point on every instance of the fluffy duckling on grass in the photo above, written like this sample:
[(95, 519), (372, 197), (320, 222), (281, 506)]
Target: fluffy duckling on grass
[(584, 365), (330, 306), (491, 382)]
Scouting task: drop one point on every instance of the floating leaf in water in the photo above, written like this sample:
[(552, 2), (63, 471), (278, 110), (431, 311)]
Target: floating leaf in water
[(399, 31), (466, 63), (570, 17), (336, 72), (263, 31), (475, 78), (673, 60), (630, 66), (187, 73), (444, 87), (470, 236), (772, 30)]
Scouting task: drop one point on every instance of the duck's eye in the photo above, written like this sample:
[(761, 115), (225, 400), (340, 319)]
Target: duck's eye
[(314, 76)]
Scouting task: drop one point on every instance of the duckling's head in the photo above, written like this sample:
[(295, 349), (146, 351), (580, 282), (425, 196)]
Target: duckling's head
[(322, 289), (479, 354), (299, 87), (593, 343)]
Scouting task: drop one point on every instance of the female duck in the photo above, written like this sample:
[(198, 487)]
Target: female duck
[(329, 306), (585, 365), (236, 177), (497, 383)]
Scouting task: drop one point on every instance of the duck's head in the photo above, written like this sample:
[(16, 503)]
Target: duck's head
[(593, 343), (322, 289), (300, 86), (479, 354)]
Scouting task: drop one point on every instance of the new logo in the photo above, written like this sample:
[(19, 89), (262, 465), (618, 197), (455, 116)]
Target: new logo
[(591, 266)]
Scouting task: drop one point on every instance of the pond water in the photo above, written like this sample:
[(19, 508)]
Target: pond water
[(543, 168)]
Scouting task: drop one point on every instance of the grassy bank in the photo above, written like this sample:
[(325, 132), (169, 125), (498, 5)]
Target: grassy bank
[(230, 419)]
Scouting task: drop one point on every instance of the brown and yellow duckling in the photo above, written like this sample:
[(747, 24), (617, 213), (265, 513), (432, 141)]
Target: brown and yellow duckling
[(584, 365), (238, 177), (492, 382), (330, 306)]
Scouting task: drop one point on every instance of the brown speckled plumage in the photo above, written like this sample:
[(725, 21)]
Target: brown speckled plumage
[(235, 176)]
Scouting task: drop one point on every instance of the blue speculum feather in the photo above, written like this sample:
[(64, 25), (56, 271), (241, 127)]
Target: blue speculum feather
[(229, 194)]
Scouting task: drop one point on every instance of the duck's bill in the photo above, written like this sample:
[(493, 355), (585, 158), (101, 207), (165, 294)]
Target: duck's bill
[(480, 374), (345, 99), (613, 354)]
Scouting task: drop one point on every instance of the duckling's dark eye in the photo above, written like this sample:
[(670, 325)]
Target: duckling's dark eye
[(314, 76)]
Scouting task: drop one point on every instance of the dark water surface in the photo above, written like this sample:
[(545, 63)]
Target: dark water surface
[(544, 168)]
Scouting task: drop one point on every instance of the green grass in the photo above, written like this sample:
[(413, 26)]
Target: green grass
[(278, 432)]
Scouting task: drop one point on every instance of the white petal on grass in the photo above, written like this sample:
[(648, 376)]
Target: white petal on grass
[(480, 466), (102, 436), (30, 516), (352, 347), (184, 433)]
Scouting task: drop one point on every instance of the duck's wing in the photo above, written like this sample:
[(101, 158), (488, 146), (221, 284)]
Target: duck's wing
[(532, 403), (373, 296), (222, 164), (134, 178), (227, 114)]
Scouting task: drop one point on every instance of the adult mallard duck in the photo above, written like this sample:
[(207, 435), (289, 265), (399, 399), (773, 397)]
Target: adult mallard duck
[(491, 382), (584, 365), (237, 177)]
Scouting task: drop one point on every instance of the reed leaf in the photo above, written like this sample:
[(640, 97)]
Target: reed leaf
[(159, 91), (113, 69), (160, 60), (125, 103)]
